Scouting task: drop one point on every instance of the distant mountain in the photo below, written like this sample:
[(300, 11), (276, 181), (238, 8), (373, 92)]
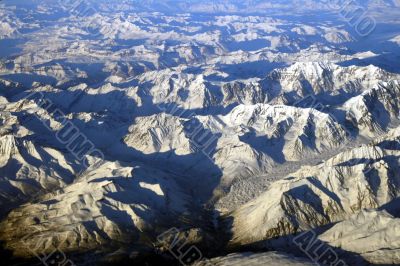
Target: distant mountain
[(248, 6)]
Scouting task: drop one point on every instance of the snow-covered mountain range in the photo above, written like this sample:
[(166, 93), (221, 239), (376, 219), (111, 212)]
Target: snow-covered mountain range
[(243, 124)]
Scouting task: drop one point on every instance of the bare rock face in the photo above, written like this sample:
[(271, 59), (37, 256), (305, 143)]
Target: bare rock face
[(361, 178), (8, 148)]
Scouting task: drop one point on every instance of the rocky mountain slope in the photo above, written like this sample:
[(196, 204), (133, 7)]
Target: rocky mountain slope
[(113, 204), (337, 190)]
